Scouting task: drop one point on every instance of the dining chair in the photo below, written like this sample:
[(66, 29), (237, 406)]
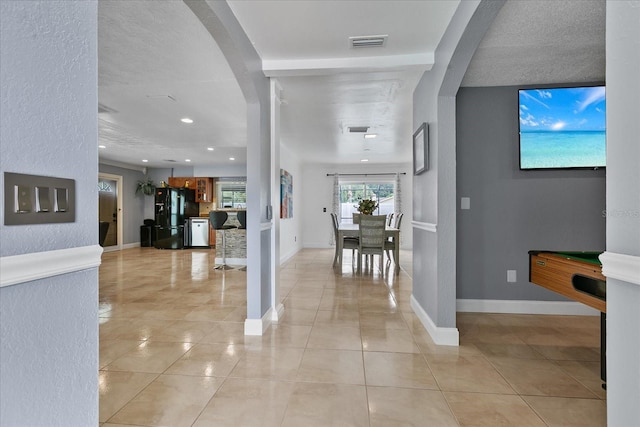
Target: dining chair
[(347, 242), (390, 244), (372, 237), (390, 218), (356, 218)]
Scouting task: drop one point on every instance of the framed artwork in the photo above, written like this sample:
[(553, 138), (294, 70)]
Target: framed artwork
[(421, 149), (286, 194)]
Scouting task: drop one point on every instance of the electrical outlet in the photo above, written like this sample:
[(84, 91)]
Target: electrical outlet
[(511, 276)]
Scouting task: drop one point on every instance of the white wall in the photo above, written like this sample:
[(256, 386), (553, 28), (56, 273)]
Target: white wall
[(318, 194), (291, 229)]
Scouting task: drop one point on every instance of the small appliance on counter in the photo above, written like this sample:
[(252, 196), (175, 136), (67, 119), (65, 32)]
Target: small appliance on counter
[(173, 206), (196, 233)]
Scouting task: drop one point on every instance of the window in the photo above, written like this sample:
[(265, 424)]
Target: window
[(231, 194), (351, 192)]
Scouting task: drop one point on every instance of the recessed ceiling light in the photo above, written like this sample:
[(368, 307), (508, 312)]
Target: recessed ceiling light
[(144, 160), (187, 160), (369, 135), (364, 160), (186, 120), (210, 148), (102, 146), (232, 158)]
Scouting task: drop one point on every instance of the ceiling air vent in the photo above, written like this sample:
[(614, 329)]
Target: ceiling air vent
[(368, 41), (358, 129)]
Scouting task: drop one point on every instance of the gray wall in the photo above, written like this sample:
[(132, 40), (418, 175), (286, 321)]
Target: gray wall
[(49, 327), (514, 211), (623, 211)]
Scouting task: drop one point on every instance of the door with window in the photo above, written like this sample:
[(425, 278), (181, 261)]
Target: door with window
[(108, 208)]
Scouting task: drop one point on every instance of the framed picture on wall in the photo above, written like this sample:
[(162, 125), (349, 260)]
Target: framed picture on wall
[(421, 149)]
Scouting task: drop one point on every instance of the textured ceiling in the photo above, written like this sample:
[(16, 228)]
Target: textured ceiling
[(157, 64)]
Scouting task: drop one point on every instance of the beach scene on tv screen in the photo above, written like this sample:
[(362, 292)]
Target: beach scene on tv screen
[(562, 128)]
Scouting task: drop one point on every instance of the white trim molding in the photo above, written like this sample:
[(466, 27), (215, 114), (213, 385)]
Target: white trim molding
[(277, 313), (257, 327), (24, 268), (621, 267), (264, 226), (426, 226), (562, 308), (440, 336)]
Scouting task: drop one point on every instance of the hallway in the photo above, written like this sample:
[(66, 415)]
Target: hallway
[(349, 351)]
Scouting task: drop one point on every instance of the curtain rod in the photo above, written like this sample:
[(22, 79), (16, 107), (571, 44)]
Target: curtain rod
[(365, 174)]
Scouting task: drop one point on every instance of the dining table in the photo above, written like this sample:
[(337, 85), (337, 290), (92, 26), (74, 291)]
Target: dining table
[(353, 230)]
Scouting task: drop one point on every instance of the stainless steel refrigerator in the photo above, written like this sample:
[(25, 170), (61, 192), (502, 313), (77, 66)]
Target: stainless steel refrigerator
[(173, 207)]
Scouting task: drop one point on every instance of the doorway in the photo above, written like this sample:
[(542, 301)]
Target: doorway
[(110, 210)]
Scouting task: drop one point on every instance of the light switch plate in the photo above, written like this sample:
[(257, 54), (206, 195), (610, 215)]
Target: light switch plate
[(36, 199), (465, 203)]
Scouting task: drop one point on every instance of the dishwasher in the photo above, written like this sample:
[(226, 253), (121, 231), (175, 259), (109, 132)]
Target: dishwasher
[(197, 233)]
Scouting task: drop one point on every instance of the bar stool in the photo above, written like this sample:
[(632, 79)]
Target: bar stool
[(217, 220), (242, 219)]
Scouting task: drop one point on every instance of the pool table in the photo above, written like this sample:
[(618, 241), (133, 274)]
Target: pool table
[(576, 275)]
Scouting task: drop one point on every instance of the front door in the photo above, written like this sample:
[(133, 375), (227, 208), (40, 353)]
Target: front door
[(108, 209)]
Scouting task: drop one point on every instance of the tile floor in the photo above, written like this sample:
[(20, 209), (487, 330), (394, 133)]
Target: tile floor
[(348, 352)]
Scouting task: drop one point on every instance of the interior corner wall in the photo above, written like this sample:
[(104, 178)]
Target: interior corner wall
[(291, 228), (49, 327), (514, 211)]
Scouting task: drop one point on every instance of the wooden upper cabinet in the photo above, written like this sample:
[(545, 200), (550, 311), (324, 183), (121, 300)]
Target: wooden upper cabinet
[(202, 186), (204, 190)]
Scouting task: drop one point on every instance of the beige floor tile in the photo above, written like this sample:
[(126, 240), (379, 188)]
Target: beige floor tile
[(388, 321), (297, 373), (269, 363), (118, 388), (495, 410), (537, 377), (286, 335), (331, 366), (225, 332), (334, 337), (343, 318), (564, 412), (467, 373), (398, 370), (321, 405), (170, 400), (391, 406), (208, 360), (296, 316), (153, 357), (110, 350), (393, 340), (242, 402)]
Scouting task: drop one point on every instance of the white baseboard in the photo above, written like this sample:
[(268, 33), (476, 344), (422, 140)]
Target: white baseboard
[(258, 326), (277, 314), (232, 261), (286, 257), (440, 336), (121, 247), (568, 308)]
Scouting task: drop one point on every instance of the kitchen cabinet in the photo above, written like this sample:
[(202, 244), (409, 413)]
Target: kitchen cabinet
[(203, 186)]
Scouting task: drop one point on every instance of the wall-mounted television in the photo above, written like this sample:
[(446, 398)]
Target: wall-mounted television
[(562, 128)]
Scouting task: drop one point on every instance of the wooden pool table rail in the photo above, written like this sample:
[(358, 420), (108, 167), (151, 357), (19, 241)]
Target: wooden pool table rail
[(555, 272)]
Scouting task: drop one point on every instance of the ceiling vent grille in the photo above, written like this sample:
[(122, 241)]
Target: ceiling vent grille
[(358, 129), (368, 41)]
